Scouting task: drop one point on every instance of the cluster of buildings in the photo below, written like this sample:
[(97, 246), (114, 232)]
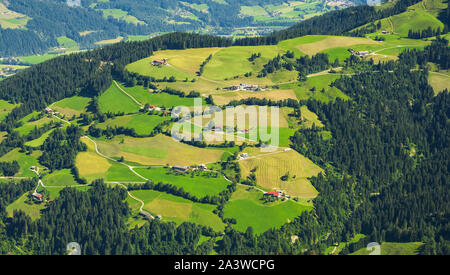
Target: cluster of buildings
[(243, 156), (51, 111), (244, 87), (277, 194), (359, 53), (185, 169)]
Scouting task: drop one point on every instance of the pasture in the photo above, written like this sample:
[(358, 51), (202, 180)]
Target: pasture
[(36, 143), (25, 161), (59, 178), (114, 100), (248, 209), (158, 150), (199, 184), (143, 124), (146, 96), (179, 210), (71, 106), (26, 205), (5, 108), (270, 168), (439, 82)]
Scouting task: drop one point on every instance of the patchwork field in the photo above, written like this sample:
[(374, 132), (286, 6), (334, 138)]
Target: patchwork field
[(39, 141), (32, 121), (179, 210), (158, 150), (92, 166), (12, 20), (199, 185), (248, 209), (60, 178), (270, 169)]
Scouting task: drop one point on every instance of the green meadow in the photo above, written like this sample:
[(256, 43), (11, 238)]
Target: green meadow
[(5, 108), (114, 100), (394, 249), (199, 185), (25, 161), (248, 210), (27, 205), (179, 210), (70, 106), (143, 124)]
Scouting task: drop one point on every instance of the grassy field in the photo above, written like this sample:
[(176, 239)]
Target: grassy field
[(28, 125), (329, 42), (71, 106), (199, 185), (68, 43), (182, 63), (12, 20), (233, 61), (31, 209), (271, 167), (145, 96), (25, 161), (143, 124), (92, 166), (158, 150), (223, 98), (40, 140), (60, 178), (121, 15), (394, 249), (5, 108), (114, 100), (313, 86), (248, 210), (179, 210), (439, 82)]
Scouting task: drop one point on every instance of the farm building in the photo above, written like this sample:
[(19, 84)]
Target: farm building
[(272, 194), (180, 168), (38, 196), (157, 62), (244, 156), (146, 214)]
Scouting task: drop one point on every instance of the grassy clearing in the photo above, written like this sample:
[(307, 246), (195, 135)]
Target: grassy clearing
[(143, 124), (28, 126), (439, 82), (179, 210), (36, 59), (68, 43), (25, 161), (109, 41), (114, 100), (71, 106), (5, 108), (92, 166), (158, 150), (394, 249), (23, 203), (247, 208), (121, 15), (39, 141), (12, 20), (313, 87), (60, 178), (197, 185), (270, 169)]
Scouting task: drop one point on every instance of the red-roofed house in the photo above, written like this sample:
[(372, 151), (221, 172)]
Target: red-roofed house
[(157, 62), (273, 194)]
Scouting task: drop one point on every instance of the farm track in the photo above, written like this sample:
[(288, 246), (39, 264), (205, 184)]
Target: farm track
[(127, 94)]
